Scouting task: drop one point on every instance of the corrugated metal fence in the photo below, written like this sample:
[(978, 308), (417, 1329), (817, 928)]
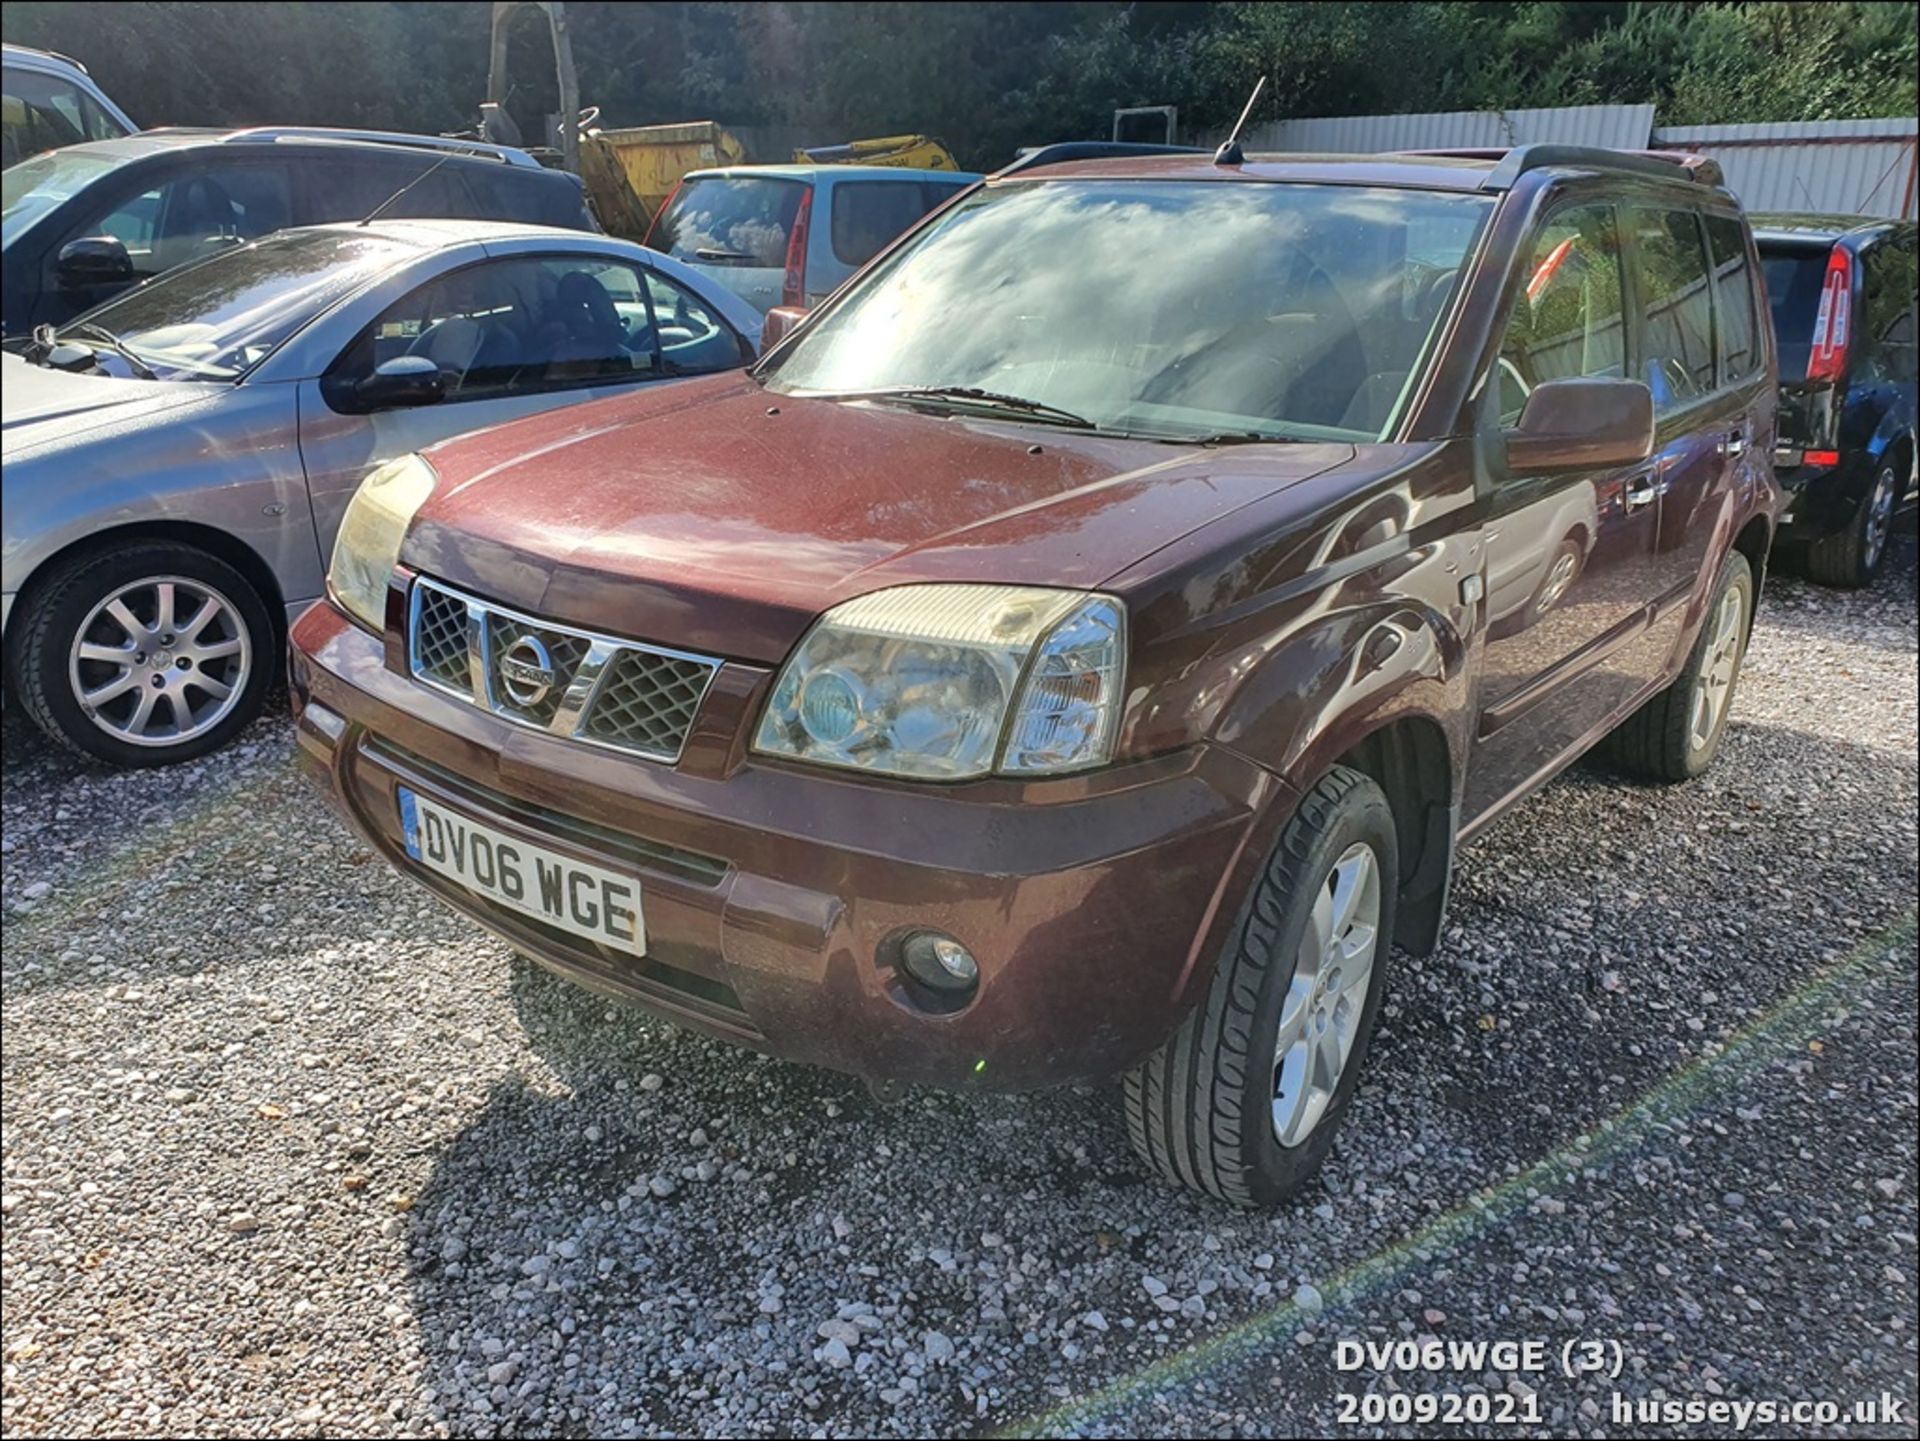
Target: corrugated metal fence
[(1848, 167), (1623, 127), (1845, 167)]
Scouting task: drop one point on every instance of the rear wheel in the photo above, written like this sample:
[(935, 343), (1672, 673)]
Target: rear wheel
[(1851, 558), (1676, 735), (1244, 1101), (145, 655)]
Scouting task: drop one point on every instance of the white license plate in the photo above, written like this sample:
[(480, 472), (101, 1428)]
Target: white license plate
[(583, 899)]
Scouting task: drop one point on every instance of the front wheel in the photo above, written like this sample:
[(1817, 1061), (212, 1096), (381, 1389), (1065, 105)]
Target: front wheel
[(1244, 1101), (145, 655), (1676, 735)]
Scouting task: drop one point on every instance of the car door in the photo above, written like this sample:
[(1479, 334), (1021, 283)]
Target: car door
[(513, 336), (1568, 555), (186, 212)]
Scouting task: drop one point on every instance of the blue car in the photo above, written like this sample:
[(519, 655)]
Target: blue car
[(1842, 294)]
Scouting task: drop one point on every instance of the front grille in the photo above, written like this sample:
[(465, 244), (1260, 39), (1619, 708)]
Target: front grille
[(599, 689)]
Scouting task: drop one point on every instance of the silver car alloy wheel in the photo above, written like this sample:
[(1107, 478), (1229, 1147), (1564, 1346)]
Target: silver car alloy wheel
[(1320, 1017), (160, 661), (1879, 517), (1714, 685)]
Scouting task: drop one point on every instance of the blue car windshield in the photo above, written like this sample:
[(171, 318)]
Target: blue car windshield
[(40, 182), (217, 319), (1172, 310)]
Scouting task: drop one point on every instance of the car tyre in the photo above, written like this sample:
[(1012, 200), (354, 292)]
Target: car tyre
[(1209, 1109), (1852, 557), (72, 616), (1676, 735)]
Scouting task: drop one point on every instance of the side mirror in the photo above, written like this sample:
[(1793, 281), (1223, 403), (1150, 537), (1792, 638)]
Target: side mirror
[(406, 380), (1584, 423), (93, 260), (779, 324)]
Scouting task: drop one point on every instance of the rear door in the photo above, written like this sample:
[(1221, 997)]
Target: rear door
[(1709, 428), (734, 229), (1568, 555)]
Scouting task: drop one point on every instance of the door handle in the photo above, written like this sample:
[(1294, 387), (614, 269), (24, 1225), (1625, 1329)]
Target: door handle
[(1734, 446), (1642, 490)]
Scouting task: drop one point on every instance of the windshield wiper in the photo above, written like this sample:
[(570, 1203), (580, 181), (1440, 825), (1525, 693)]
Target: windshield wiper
[(723, 255), (970, 395), (116, 345)]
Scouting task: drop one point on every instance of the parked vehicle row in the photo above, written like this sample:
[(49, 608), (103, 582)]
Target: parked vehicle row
[(1017, 675), (1023, 675)]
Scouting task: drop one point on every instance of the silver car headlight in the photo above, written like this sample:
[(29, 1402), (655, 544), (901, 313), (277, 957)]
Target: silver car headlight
[(950, 681), (368, 545)]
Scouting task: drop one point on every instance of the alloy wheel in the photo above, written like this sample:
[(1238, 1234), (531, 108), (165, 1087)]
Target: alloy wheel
[(1320, 1017), (1879, 519), (1714, 685), (160, 661)]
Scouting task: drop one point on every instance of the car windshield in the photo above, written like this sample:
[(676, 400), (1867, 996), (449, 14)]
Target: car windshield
[(40, 182), (217, 319), (721, 220), (1181, 310)]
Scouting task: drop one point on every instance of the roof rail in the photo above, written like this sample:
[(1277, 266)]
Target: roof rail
[(478, 149), (1511, 164), (49, 54), (1065, 150)]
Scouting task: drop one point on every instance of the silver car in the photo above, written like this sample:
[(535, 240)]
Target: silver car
[(177, 461)]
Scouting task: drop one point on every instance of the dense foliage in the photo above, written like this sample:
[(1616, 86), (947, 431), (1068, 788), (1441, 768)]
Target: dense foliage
[(986, 77)]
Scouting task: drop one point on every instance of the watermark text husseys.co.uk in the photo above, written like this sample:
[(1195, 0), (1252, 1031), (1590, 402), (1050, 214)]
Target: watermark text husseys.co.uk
[(1881, 1410)]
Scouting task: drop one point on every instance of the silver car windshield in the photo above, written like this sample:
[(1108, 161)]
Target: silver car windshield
[(1179, 310), (217, 319)]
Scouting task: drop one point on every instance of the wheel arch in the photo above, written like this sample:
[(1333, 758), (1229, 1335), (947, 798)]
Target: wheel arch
[(220, 544)]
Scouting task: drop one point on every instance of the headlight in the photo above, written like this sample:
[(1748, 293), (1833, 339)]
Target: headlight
[(368, 545), (951, 681)]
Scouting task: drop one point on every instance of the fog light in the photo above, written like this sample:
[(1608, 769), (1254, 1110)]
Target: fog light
[(939, 962)]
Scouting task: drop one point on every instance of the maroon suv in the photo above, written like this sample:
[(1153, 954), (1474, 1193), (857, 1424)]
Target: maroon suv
[(1078, 649)]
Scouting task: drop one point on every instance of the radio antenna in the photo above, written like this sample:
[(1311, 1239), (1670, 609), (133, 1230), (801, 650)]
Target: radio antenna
[(1230, 152)]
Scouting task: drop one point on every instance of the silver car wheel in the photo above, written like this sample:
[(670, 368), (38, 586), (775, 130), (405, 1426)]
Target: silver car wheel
[(1320, 1017), (1879, 518), (160, 661), (1714, 685)]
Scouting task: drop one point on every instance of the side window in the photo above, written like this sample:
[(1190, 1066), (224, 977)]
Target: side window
[(436, 195), (869, 213), (339, 189), (693, 339), (519, 326), (1569, 318), (43, 112), (196, 214), (1741, 353), (1671, 266), (1889, 307)]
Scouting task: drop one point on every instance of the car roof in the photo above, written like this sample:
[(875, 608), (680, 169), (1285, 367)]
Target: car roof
[(51, 61), (1428, 172), (433, 234), (185, 137), (1812, 227), (831, 173)]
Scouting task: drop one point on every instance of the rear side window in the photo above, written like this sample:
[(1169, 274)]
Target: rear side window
[(741, 220), (1742, 356), (1671, 266), (867, 214), (1569, 318), (339, 190)]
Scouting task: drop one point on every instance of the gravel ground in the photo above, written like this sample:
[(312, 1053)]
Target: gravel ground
[(288, 1149)]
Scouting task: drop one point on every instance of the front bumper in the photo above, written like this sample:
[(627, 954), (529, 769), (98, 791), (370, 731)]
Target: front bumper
[(774, 895)]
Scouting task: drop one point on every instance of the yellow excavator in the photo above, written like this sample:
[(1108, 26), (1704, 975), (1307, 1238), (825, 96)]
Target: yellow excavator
[(629, 173)]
